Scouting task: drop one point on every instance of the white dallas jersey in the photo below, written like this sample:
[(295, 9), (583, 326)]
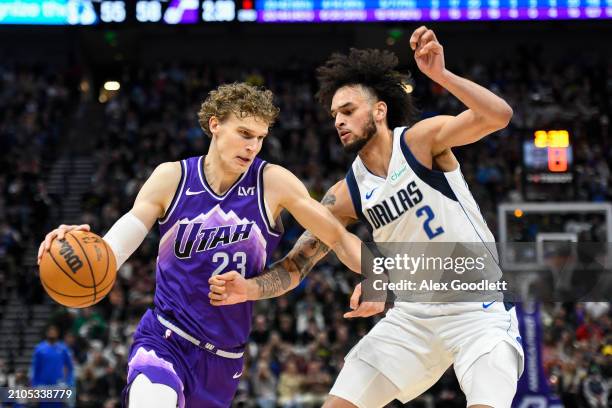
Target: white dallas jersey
[(414, 203)]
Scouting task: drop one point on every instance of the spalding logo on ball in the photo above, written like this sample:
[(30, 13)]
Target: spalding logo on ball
[(79, 270)]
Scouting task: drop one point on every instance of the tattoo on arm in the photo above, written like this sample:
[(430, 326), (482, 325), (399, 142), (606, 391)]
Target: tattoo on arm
[(274, 282), (297, 264), (329, 199), (307, 251)]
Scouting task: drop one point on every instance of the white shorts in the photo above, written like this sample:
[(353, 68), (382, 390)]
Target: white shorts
[(417, 342)]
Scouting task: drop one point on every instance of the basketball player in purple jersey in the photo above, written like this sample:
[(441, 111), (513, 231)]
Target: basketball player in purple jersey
[(216, 213)]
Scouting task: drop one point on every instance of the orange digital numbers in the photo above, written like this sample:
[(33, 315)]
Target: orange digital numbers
[(541, 138), (551, 138), (556, 142), (557, 159)]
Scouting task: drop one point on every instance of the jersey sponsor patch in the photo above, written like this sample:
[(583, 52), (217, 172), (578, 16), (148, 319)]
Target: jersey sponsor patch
[(246, 191)]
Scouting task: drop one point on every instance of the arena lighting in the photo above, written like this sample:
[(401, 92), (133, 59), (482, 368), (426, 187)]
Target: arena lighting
[(112, 85), (408, 88), (518, 213), (84, 86)]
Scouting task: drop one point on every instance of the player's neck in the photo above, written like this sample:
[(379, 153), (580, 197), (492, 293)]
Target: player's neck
[(218, 177), (376, 155)]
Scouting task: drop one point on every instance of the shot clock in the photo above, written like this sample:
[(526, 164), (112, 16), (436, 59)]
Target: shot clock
[(547, 163)]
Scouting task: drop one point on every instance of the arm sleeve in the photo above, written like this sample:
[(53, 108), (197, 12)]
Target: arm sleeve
[(125, 236)]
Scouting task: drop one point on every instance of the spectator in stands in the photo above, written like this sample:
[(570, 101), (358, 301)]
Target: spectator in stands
[(52, 362), (596, 390), (264, 385), (316, 384), (589, 330), (290, 386), (89, 324)]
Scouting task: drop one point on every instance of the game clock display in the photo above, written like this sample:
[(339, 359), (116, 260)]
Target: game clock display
[(91, 12), (548, 165), (548, 157)]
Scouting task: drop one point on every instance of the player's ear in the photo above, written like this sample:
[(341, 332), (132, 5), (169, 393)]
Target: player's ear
[(380, 111), (213, 125)]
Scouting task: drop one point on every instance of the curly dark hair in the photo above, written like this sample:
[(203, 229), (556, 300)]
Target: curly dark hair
[(375, 70), (242, 100)]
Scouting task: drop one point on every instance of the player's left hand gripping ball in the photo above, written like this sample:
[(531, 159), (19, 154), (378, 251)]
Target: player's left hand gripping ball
[(428, 52), (78, 269)]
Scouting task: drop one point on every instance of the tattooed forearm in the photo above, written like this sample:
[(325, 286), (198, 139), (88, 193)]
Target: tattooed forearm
[(309, 249), (274, 282), (287, 273), (307, 252)]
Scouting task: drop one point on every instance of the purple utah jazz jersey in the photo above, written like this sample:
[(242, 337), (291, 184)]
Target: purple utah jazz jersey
[(202, 234)]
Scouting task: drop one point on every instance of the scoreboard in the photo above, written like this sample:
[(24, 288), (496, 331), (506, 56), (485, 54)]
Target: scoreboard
[(90, 12), (547, 169), (429, 10), (548, 157)]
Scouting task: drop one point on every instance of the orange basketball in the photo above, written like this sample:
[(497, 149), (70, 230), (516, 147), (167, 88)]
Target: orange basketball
[(79, 270)]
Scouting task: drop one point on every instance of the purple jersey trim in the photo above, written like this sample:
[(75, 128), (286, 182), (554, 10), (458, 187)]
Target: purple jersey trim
[(262, 202), (208, 188), (177, 193)]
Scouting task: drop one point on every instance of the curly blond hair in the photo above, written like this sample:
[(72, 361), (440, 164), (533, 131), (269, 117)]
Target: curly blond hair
[(241, 99)]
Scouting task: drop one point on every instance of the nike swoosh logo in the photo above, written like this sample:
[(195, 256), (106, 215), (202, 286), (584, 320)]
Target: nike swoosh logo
[(237, 375), (369, 194), (486, 305), (193, 192)]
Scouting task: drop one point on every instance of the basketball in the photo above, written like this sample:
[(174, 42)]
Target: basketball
[(79, 270)]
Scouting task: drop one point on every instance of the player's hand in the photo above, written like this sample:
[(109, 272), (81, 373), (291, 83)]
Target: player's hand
[(428, 52), (364, 309), (227, 289), (59, 233)]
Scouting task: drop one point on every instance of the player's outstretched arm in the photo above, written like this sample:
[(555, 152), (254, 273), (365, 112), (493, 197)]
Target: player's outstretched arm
[(486, 111), (126, 235), (288, 272), (280, 278), (287, 192)]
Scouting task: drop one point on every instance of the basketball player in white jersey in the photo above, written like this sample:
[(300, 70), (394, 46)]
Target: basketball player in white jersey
[(407, 185)]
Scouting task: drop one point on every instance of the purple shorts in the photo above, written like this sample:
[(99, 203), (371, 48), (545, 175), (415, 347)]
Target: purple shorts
[(199, 377)]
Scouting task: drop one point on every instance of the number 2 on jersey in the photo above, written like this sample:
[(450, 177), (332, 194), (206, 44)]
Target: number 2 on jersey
[(428, 212), (239, 259)]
